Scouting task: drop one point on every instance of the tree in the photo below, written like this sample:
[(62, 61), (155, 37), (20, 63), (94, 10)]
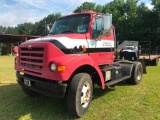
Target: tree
[(25, 29), (132, 21), (156, 12), (98, 8), (39, 28), (12, 30), (89, 6), (85, 6), (116, 8)]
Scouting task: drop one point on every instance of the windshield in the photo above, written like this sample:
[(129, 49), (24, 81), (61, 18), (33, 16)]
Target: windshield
[(71, 24), (128, 48)]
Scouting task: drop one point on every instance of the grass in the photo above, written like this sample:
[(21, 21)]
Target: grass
[(125, 102)]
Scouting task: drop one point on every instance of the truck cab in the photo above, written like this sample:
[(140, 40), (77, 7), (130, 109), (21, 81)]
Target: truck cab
[(129, 49), (77, 53), (83, 30)]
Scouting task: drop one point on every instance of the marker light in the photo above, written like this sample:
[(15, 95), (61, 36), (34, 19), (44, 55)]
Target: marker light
[(61, 68), (84, 48)]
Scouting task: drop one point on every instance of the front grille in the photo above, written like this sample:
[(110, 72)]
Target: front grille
[(32, 54), (33, 49), (31, 59)]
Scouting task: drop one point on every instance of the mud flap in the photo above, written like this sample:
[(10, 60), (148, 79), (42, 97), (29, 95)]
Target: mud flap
[(143, 65)]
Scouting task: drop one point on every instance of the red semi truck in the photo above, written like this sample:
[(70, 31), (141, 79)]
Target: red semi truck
[(78, 52)]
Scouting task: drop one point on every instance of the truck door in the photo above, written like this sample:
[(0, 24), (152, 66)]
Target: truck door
[(101, 46)]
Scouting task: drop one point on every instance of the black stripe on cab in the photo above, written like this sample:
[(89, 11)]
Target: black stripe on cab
[(76, 49)]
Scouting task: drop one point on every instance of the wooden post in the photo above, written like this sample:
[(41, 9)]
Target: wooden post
[(25, 38)]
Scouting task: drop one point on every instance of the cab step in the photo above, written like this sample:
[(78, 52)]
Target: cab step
[(113, 82)]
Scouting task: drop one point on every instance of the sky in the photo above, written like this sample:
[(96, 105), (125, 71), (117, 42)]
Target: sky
[(14, 12)]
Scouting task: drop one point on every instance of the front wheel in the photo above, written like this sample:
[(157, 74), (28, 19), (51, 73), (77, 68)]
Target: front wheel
[(79, 94)]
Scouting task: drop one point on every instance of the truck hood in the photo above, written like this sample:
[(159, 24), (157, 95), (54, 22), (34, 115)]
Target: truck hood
[(71, 36), (67, 41)]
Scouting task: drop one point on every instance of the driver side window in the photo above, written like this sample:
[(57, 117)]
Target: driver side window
[(97, 27)]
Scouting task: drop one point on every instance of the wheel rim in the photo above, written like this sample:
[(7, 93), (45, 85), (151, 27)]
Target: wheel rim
[(139, 73), (85, 95)]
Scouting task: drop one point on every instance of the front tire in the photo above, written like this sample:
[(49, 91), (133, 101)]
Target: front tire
[(79, 94)]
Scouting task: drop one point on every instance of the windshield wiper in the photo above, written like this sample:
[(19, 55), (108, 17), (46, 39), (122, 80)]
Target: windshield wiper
[(68, 31), (51, 33)]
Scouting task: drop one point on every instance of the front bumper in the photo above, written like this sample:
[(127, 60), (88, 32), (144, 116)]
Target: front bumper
[(43, 86)]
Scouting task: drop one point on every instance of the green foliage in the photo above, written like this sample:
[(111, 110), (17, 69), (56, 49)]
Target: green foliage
[(39, 28), (156, 23), (85, 6), (135, 22), (131, 8), (132, 21), (3, 29), (98, 8), (25, 29), (89, 6), (13, 30), (125, 102)]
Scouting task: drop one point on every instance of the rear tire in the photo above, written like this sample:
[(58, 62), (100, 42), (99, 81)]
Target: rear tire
[(29, 92), (79, 94), (136, 74), (155, 62)]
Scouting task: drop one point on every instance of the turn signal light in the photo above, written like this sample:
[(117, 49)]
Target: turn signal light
[(84, 48), (61, 68)]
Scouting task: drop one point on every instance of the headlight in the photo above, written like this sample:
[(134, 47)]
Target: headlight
[(53, 66)]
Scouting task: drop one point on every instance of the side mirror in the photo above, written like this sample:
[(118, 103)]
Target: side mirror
[(107, 22), (48, 28)]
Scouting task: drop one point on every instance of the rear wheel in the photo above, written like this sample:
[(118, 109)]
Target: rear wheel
[(136, 74), (79, 94), (155, 62), (29, 92)]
